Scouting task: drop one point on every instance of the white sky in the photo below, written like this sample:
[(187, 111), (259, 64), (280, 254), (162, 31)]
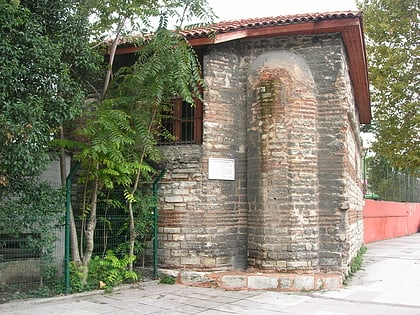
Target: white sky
[(240, 9)]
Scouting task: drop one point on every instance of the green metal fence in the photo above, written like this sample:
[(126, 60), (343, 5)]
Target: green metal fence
[(29, 271), (385, 182)]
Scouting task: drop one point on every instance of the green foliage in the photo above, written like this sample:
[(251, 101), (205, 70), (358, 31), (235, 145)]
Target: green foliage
[(392, 33), (130, 17), (46, 60), (144, 215), (165, 279), (167, 66), (27, 56), (16, 292), (111, 270), (46, 67), (112, 231), (76, 276), (122, 17), (110, 137), (356, 264), (143, 223), (113, 228), (106, 272), (187, 11), (119, 138), (33, 207)]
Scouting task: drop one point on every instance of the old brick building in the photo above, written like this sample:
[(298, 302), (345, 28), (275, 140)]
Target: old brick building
[(268, 176)]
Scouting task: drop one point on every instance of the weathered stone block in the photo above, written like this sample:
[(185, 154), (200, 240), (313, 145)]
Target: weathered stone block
[(171, 230), (179, 253), (262, 282), (304, 283), (234, 281), (190, 260), (170, 245), (178, 237), (297, 264), (207, 262), (333, 283), (194, 278), (286, 282), (174, 199), (171, 261), (180, 176)]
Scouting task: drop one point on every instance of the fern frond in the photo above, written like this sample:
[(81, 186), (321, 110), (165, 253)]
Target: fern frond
[(68, 144), (129, 196)]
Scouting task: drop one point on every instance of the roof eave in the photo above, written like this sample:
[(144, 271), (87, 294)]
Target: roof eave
[(349, 28)]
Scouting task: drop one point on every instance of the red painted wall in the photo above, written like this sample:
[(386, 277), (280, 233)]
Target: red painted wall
[(387, 219)]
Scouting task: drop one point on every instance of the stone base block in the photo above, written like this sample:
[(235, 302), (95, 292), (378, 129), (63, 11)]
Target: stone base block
[(243, 280)]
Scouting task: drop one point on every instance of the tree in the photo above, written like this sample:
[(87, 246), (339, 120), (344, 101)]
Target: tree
[(45, 67), (46, 60), (392, 36), (120, 133)]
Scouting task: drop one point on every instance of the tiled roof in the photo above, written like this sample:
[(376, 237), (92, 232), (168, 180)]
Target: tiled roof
[(237, 25), (348, 24)]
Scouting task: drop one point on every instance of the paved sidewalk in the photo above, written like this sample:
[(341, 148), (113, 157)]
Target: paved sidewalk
[(388, 284)]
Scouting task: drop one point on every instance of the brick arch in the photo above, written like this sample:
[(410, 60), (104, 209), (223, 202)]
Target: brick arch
[(283, 232)]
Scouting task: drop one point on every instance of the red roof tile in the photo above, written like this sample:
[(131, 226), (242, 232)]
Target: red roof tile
[(236, 25)]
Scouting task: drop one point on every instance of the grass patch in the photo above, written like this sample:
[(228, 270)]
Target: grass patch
[(356, 264), (165, 279)]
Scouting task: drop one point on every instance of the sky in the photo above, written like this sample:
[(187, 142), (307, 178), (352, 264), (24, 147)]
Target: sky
[(241, 9)]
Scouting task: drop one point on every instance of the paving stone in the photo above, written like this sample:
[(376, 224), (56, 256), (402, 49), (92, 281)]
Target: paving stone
[(234, 281), (370, 292)]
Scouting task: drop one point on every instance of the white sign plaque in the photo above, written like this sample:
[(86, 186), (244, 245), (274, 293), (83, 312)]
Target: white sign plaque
[(222, 169)]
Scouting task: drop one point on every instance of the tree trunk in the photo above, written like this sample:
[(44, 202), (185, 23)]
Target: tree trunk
[(112, 51), (75, 254), (90, 231), (133, 234)]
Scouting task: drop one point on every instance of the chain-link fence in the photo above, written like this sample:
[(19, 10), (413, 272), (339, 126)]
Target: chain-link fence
[(112, 226), (384, 182), (33, 246), (31, 237)]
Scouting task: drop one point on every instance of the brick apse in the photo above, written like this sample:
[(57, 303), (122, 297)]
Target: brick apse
[(283, 102)]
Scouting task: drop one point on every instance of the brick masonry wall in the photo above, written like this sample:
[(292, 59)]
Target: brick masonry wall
[(353, 174), (194, 230), (282, 168), (291, 127), (340, 208)]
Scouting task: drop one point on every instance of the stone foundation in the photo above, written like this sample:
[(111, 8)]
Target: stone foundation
[(255, 280)]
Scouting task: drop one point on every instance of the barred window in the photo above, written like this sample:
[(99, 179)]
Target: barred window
[(185, 123)]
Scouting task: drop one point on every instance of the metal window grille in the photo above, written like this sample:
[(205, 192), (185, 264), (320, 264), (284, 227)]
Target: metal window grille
[(185, 123)]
